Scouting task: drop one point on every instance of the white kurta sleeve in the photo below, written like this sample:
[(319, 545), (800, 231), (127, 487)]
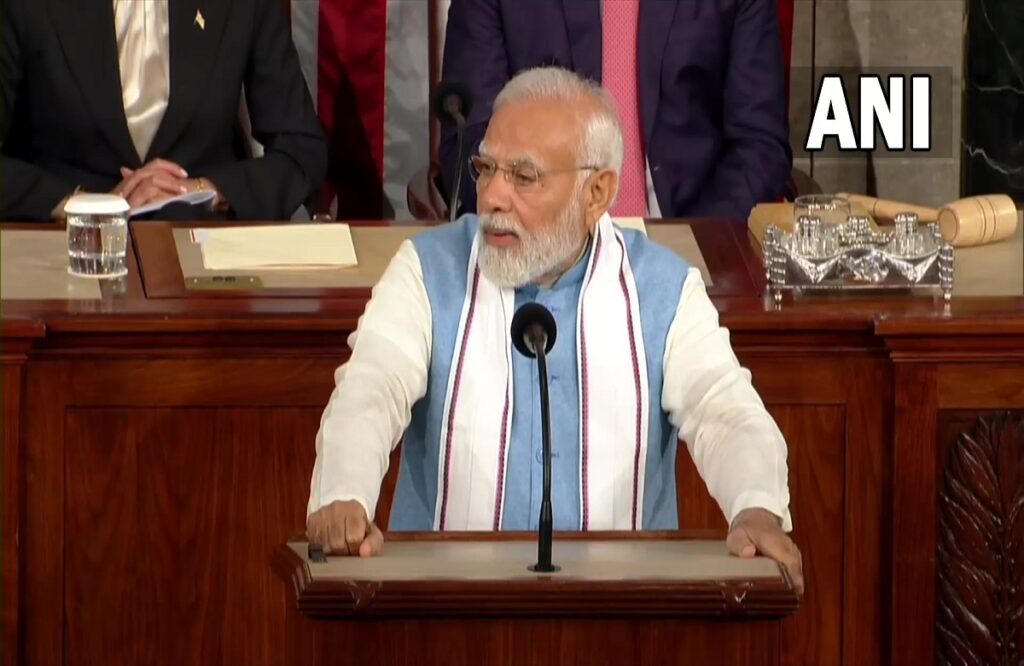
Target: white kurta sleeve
[(374, 393), (735, 444)]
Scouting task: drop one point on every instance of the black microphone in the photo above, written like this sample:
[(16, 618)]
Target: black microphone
[(452, 102), (533, 335)]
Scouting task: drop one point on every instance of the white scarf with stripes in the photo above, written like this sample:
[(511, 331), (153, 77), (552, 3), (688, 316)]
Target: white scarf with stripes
[(613, 396)]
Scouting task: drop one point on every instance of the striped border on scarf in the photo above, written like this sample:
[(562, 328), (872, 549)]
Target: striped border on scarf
[(636, 382), (585, 403), (455, 398), (499, 493)]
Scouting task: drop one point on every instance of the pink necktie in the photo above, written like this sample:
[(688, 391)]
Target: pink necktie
[(619, 28)]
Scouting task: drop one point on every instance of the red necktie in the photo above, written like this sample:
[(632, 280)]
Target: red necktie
[(620, 21)]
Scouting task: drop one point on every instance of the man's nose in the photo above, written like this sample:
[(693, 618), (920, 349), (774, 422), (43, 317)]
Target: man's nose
[(494, 195)]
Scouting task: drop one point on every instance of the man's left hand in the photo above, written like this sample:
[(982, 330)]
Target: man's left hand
[(758, 531), (160, 180)]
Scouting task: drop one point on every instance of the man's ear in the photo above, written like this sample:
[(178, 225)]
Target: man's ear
[(599, 192)]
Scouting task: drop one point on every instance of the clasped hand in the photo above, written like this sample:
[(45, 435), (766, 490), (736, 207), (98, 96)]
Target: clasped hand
[(156, 181)]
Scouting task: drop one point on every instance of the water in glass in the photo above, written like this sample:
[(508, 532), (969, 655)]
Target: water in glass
[(97, 245)]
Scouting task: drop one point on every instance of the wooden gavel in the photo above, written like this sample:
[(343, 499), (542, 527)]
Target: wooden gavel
[(971, 221)]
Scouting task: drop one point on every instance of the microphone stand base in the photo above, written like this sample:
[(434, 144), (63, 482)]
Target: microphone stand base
[(544, 568)]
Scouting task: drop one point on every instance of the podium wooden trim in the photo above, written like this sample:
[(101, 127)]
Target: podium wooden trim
[(536, 595), (583, 615)]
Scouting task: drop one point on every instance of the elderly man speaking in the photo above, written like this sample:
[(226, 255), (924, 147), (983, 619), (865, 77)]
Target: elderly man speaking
[(640, 360)]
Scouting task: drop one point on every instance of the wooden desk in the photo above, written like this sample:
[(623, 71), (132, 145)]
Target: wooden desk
[(162, 447), (455, 599)]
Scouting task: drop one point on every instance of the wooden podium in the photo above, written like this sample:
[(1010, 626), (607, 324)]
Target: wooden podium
[(619, 598)]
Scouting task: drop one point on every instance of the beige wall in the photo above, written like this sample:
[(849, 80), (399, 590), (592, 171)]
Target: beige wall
[(881, 34)]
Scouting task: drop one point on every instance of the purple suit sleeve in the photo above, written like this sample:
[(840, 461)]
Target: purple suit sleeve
[(474, 54), (757, 160)]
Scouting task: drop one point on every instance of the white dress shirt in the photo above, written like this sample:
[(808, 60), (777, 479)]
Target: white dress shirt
[(736, 446), (142, 28), (653, 209)]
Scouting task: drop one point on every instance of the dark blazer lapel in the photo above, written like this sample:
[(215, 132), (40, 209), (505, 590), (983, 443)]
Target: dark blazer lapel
[(583, 24), (196, 28), (656, 18), (86, 32)]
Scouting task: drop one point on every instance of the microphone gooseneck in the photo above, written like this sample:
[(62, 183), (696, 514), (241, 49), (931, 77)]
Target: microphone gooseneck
[(453, 196), (546, 523), (452, 103), (533, 335)]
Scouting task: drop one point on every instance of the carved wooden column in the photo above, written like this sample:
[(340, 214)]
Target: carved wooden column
[(980, 549)]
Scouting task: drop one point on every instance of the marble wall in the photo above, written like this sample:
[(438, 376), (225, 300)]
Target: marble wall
[(851, 37), (993, 129)]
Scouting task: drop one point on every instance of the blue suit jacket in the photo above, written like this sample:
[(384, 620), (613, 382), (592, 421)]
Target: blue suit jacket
[(712, 89)]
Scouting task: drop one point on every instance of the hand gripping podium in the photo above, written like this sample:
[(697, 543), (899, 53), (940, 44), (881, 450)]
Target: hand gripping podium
[(452, 599)]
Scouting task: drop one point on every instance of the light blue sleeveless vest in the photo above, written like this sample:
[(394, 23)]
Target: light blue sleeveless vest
[(444, 255)]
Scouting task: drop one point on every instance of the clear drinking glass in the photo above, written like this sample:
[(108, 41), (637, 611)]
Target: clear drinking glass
[(829, 208), (97, 235)]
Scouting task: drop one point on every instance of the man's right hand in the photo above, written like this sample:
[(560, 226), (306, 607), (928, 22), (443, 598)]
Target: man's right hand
[(155, 181), (342, 528)]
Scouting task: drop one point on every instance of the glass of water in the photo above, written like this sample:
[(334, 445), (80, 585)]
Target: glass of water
[(830, 209), (97, 235)]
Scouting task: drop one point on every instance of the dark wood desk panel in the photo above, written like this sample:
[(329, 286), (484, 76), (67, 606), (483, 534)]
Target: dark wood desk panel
[(19, 335), (838, 480), (958, 470), (161, 485), (24, 330), (252, 373), (511, 642)]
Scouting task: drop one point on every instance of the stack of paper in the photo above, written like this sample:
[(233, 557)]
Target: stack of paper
[(631, 223), (291, 246), (194, 198)]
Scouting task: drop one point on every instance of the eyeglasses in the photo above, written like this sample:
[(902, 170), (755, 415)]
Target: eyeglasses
[(524, 176)]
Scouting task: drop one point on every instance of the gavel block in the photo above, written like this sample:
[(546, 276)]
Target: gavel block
[(971, 221)]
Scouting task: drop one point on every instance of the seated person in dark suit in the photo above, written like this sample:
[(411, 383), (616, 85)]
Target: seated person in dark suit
[(143, 99), (699, 86)]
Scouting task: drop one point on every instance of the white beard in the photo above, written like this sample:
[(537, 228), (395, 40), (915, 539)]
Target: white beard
[(536, 255)]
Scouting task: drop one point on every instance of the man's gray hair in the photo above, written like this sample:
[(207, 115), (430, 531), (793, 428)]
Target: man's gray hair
[(602, 144)]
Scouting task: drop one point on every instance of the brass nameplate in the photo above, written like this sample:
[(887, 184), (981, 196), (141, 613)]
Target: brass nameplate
[(221, 282)]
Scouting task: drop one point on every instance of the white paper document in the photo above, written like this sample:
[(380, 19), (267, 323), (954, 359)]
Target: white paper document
[(282, 247), (631, 223), (194, 198)]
